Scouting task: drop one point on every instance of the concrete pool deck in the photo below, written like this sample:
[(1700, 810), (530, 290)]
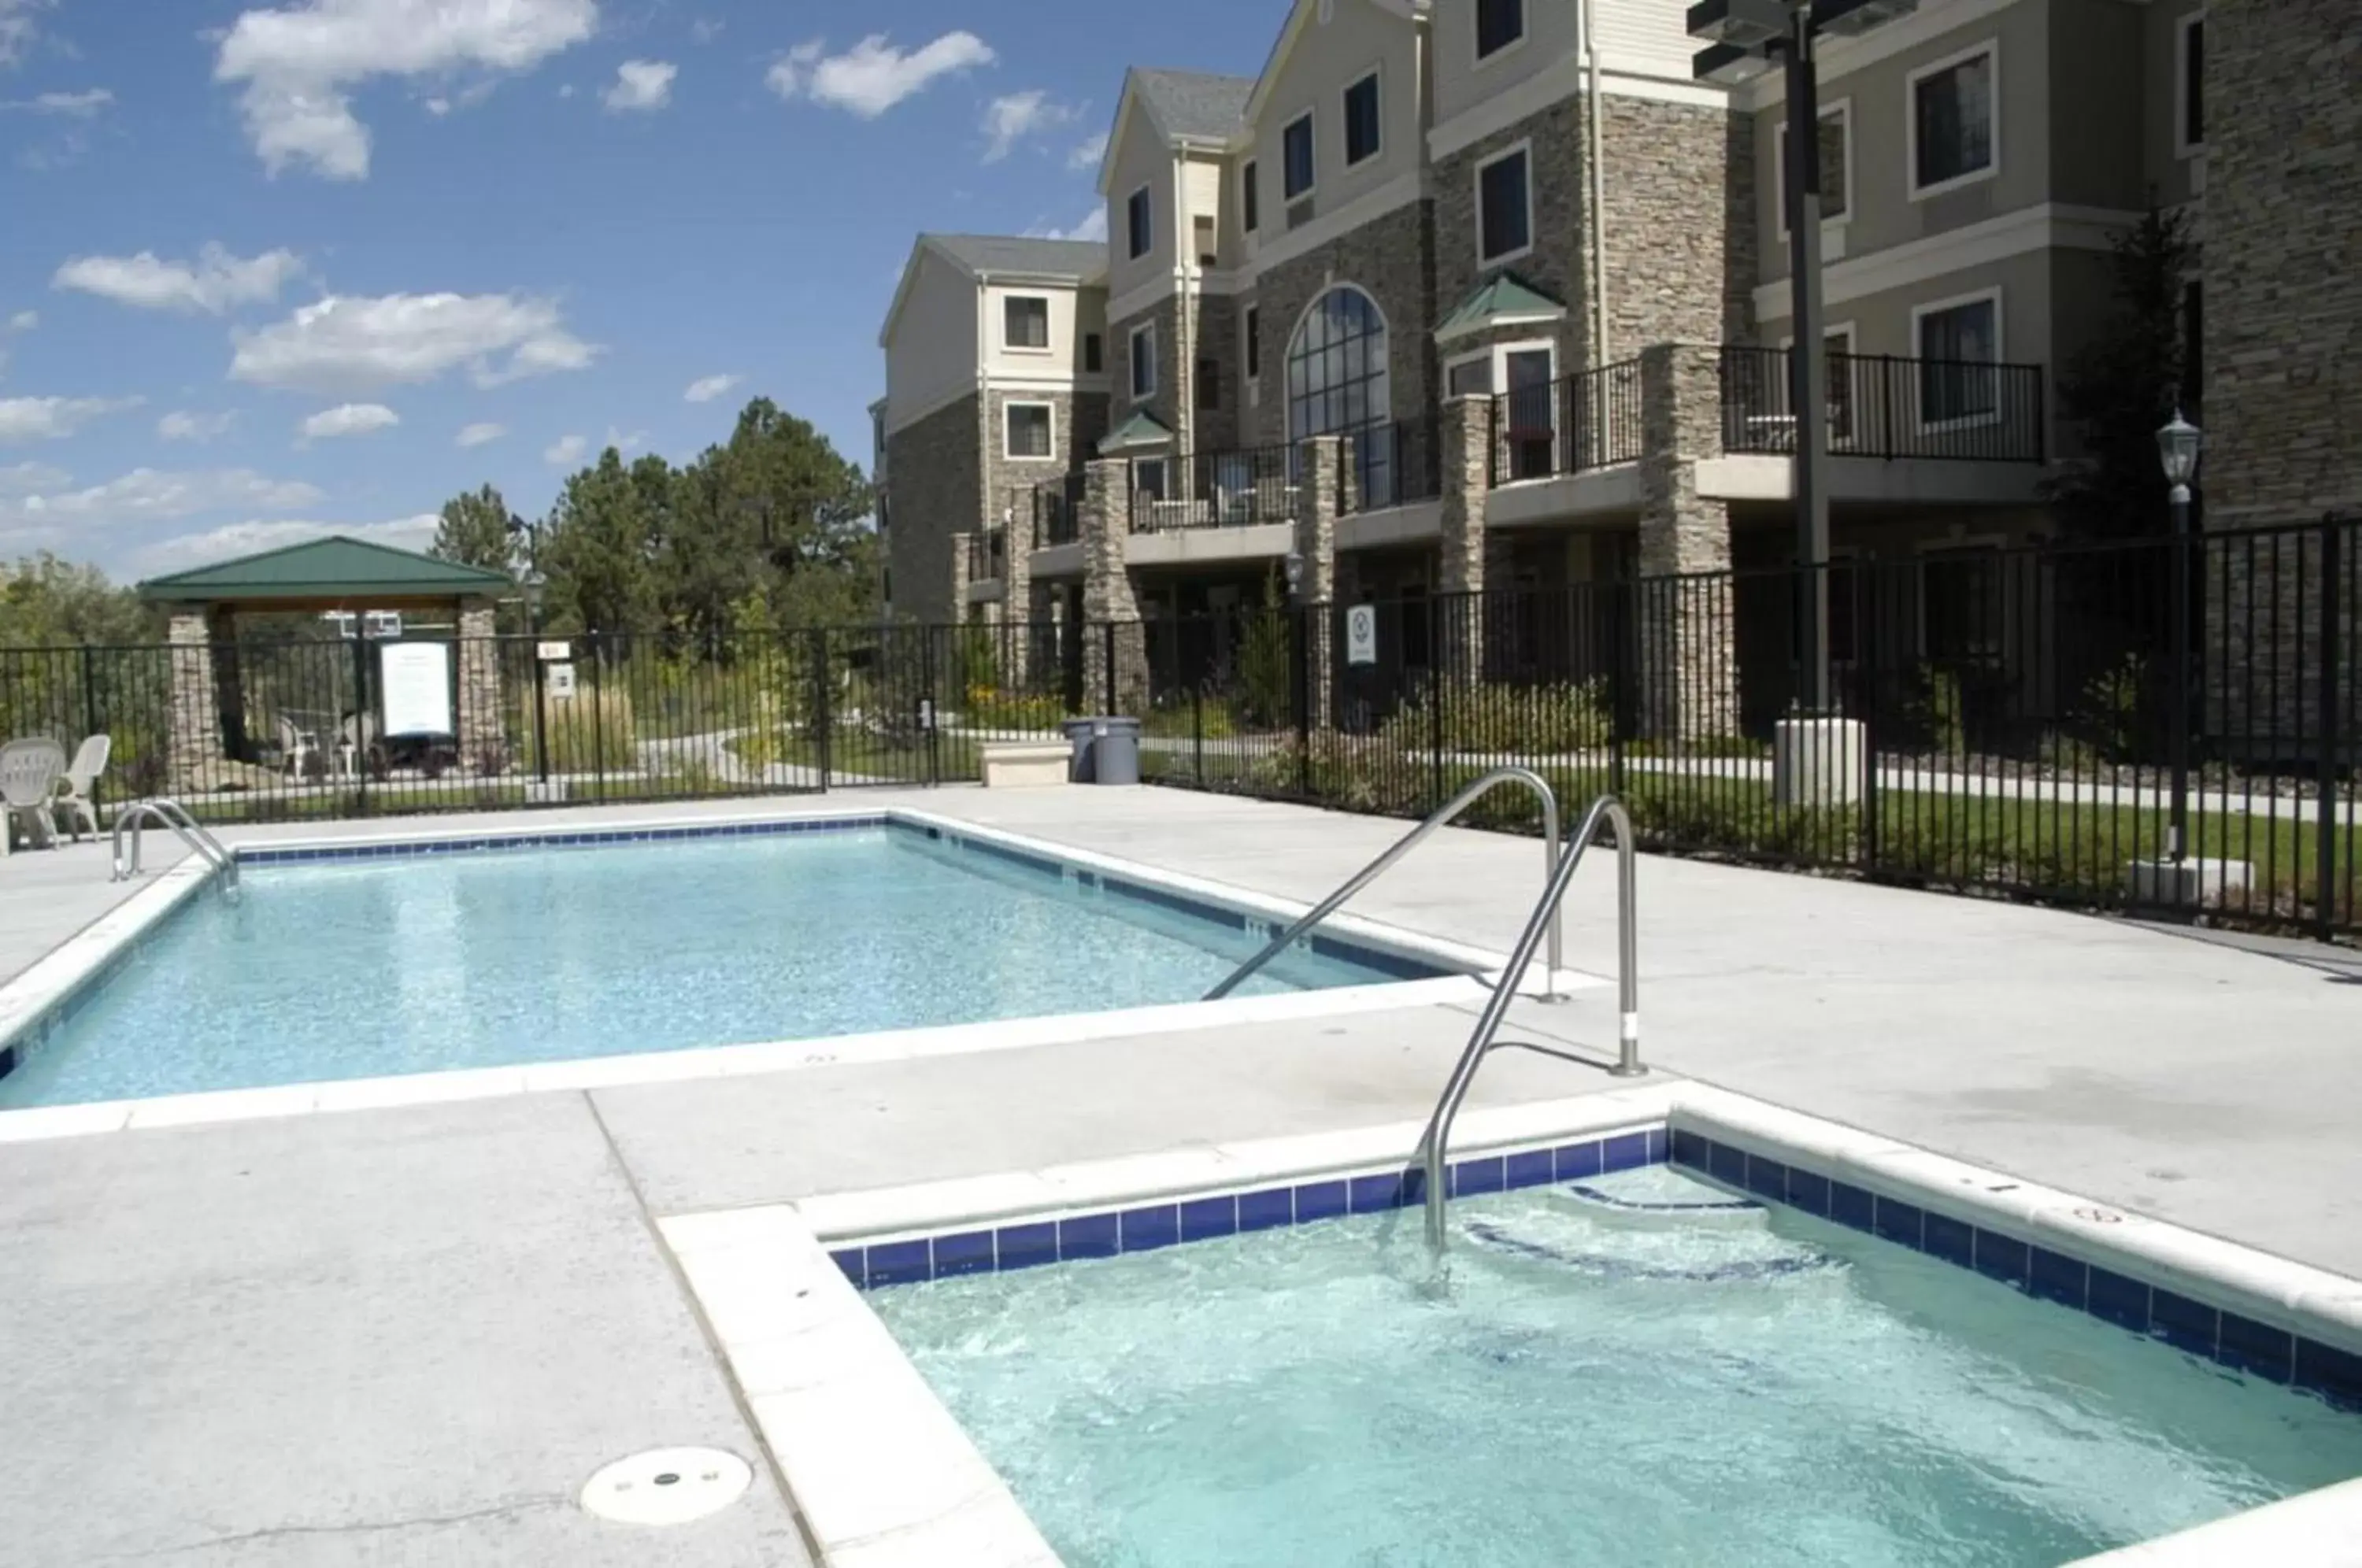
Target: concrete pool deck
[(408, 1335)]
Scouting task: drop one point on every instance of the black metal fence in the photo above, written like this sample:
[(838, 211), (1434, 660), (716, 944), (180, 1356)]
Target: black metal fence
[(1883, 406), (2032, 722), (1232, 489), (1057, 510), (1590, 420)]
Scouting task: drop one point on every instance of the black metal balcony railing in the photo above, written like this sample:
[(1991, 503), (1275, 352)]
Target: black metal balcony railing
[(988, 556), (1213, 489), (1056, 505), (1392, 464), (1589, 420), (1883, 406)]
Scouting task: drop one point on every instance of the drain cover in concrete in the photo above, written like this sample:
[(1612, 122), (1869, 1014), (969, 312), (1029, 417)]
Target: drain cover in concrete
[(667, 1485)]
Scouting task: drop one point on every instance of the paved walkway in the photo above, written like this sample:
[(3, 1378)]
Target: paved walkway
[(406, 1336)]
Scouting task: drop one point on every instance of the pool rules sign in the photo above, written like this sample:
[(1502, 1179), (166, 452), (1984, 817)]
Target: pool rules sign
[(1362, 634)]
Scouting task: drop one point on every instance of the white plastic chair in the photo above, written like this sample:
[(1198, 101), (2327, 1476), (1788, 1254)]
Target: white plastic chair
[(29, 779), (296, 746), (90, 761)]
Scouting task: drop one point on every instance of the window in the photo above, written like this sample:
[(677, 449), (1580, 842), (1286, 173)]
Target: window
[(1337, 384), (1254, 333), (1361, 120), (1531, 412), (1499, 24), (1148, 478), (1837, 163), (1137, 225), (1210, 384), (1959, 342), (1094, 354), (2189, 114), (1504, 207), (1025, 322), (1143, 346), (1951, 122), (1027, 427), (1296, 157), (1202, 226), (1250, 198), (1838, 343)]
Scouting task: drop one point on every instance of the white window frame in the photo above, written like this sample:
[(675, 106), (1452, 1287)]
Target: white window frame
[(1049, 343), (1918, 192), (1918, 356), (1498, 354), (1134, 358), (1149, 207), (1009, 452), (1164, 468), (1376, 74), (1478, 58), (1841, 109), (1308, 120), (1250, 198), (1477, 189), (2182, 145)]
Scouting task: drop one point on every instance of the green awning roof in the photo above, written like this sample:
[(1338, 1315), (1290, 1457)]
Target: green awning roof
[(1142, 429), (334, 568), (1503, 300)]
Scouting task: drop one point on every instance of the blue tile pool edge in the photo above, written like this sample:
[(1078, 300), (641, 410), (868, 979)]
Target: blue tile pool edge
[(2230, 1339)]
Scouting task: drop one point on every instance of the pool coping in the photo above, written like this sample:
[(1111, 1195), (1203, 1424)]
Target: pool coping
[(44, 995), (750, 1296)]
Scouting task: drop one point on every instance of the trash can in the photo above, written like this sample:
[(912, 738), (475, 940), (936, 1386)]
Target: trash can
[(1107, 750)]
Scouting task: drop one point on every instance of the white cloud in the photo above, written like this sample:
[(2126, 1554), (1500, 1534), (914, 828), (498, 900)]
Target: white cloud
[(565, 450), (1010, 121), (1089, 154), (627, 443), (704, 30), (442, 103), (18, 28), (235, 539), (482, 435), (641, 84), (349, 419), (152, 495), (26, 419), (79, 106), (1092, 228), (874, 75), (707, 388), (350, 344), (32, 479), (298, 63), (25, 321), (182, 426), (212, 283)]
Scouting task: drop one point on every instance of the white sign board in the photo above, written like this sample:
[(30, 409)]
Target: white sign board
[(558, 682), (555, 653), (415, 688), (1362, 634)]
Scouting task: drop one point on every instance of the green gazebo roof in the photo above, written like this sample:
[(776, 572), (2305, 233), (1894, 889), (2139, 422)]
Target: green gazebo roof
[(1142, 429), (1503, 300), (334, 569)]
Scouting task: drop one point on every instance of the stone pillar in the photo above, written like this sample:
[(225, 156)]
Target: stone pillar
[(1688, 672), (1326, 474), (1467, 434), (483, 726), (1109, 601), (194, 759), (959, 577), (1017, 593)]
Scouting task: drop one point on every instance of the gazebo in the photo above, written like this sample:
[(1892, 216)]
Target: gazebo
[(321, 576)]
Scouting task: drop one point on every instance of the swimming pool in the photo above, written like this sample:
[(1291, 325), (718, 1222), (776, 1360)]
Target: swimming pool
[(440, 955), (1596, 1377)]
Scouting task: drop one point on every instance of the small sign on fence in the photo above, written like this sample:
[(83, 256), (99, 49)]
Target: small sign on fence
[(1362, 634), (557, 652), (559, 681)]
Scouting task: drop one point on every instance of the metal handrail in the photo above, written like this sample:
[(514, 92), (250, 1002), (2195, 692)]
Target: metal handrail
[(1431, 1144), (1370, 873), (174, 815)]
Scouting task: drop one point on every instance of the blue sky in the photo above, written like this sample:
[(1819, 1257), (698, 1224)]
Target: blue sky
[(317, 265)]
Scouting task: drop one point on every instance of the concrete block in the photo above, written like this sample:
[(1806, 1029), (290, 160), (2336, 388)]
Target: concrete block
[(1022, 765), (2186, 884), (1818, 762)]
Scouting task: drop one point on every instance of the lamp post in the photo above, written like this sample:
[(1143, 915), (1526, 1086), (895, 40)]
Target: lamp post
[(2179, 445), (1745, 38)]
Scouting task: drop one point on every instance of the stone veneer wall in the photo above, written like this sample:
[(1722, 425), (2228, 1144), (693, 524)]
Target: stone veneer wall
[(937, 464), (483, 735), (1218, 429), (1077, 420), (1690, 675), (194, 752), (1391, 259), (2282, 273), (1555, 264), (1681, 229), (1172, 379)]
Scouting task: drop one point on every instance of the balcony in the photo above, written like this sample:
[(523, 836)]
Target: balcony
[(1243, 489), (1552, 429), (1055, 506), (988, 556)]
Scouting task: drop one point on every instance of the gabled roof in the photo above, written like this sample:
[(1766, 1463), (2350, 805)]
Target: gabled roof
[(334, 568), (1408, 10), (1501, 300), (1179, 105), (1144, 429), (1076, 263)]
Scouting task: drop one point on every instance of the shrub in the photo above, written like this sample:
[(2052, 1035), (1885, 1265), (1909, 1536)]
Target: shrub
[(1938, 715), (990, 709), (591, 732), (1566, 717), (1353, 773), (2115, 711)]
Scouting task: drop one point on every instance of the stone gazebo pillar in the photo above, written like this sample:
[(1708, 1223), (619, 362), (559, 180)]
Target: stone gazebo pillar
[(193, 756), (482, 724)]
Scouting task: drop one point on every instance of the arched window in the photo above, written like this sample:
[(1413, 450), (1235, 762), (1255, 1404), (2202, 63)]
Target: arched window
[(1338, 385)]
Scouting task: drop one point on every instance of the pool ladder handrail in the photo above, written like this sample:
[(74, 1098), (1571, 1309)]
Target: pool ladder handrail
[(174, 815), (1441, 817), (1434, 1141)]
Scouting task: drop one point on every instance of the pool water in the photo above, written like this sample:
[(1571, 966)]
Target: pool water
[(359, 969), (1587, 1387)]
